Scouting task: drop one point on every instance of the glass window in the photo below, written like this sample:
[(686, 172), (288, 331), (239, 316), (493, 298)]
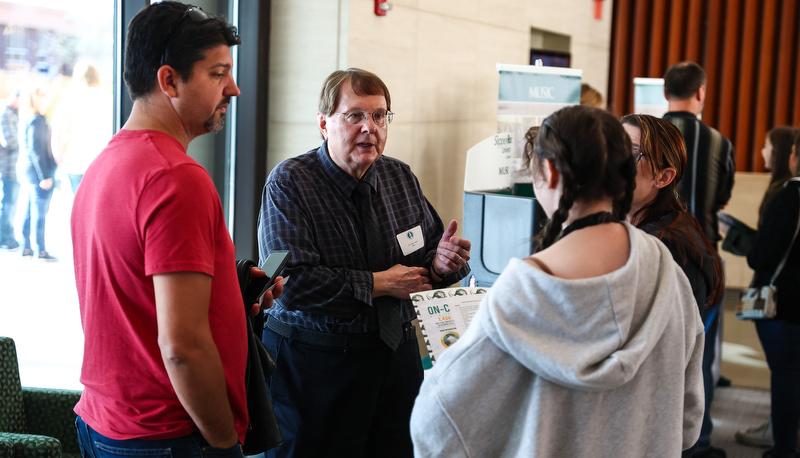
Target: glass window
[(56, 74), (58, 56), (213, 151)]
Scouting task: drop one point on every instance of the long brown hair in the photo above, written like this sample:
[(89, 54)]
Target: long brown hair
[(782, 139), (663, 146), (592, 152)]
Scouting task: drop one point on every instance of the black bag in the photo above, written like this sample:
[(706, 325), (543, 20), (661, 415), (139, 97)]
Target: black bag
[(263, 432), (739, 238)]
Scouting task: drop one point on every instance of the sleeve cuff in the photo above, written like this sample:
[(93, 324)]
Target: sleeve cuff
[(363, 284)]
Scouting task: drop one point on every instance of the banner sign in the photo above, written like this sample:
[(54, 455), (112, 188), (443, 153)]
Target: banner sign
[(527, 95), (648, 96)]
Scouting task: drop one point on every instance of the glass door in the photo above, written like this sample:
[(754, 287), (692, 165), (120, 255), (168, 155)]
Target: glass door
[(66, 57), (56, 81)]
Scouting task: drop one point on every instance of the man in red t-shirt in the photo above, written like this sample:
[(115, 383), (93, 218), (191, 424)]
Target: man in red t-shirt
[(165, 332)]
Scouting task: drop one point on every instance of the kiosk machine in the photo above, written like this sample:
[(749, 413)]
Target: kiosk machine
[(501, 215)]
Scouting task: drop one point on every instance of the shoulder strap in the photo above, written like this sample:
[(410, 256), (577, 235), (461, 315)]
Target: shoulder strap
[(789, 248), (693, 196)]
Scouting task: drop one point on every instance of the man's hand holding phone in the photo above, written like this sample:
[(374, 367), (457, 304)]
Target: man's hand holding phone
[(267, 281)]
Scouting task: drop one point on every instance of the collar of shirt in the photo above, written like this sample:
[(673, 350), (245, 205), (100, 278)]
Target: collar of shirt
[(342, 180)]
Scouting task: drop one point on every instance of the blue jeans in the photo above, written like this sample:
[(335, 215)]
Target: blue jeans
[(95, 445), (781, 342), (74, 181), (711, 317), (8, 208), (36, 204)]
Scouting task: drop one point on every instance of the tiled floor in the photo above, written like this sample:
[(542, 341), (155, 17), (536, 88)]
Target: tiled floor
[(743, 359), (734, 409), (747, 402)]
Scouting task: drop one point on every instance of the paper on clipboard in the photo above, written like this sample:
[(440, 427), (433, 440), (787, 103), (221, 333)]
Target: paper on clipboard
[(445, 314)]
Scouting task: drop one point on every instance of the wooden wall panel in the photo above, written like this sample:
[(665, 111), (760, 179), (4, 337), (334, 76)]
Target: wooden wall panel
[(693, 48), (749, 48), (746, 74), (619, 99), (714, 15), (730, 68), (658, 42), (641, 42), (783, 81), (676, 30), (765, 79), (796, 88)]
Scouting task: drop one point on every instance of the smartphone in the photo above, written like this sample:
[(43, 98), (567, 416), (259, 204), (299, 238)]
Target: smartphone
[(272, 267)]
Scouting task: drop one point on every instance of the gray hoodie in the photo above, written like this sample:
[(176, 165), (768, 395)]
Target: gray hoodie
[(608, 366)]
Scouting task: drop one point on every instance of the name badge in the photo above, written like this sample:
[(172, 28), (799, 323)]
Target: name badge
[(411, 240)]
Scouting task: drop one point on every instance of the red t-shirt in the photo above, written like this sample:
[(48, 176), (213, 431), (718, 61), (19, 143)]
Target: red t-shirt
[(144, 208)]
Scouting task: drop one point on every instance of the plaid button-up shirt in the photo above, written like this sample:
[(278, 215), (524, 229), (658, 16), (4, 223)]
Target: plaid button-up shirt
[(309, 207)]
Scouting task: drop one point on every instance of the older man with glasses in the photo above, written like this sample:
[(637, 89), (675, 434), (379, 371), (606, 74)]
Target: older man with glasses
[(363, 237)]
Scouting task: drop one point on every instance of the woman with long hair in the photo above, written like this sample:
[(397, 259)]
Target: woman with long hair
[(780, 337), (592, 346), (738, 236), (660, 153), (777, 150)]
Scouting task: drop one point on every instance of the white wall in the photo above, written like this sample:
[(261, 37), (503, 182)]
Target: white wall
[(438, 60), (305, 47)]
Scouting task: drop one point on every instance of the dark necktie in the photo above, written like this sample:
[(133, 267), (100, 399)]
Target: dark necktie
[(387, 309)]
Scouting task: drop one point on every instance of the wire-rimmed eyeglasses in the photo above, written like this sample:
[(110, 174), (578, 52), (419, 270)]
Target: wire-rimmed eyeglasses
[(639, 154), (380, 118), (196, 14)]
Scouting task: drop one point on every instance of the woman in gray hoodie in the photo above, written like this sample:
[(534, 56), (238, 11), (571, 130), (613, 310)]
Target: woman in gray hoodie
[(592, 346)]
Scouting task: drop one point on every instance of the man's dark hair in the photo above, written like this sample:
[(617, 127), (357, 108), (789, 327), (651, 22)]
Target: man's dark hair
[(161, 29), (682, 80)]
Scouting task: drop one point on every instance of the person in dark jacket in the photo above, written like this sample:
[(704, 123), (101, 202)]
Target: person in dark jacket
[(35, 170), (661, 160), (739, 238), (706, 186), (777, 149), (780, 336)]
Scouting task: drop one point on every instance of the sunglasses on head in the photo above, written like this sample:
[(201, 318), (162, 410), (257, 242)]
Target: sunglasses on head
[(196, 14)]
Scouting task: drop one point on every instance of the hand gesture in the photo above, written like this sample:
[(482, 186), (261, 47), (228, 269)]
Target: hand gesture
[(452, 253)]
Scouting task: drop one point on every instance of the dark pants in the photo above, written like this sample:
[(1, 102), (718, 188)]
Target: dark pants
[(95, 445), (36, 204), (8, 208), (711, 317), (343, 401), (781, 342)]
